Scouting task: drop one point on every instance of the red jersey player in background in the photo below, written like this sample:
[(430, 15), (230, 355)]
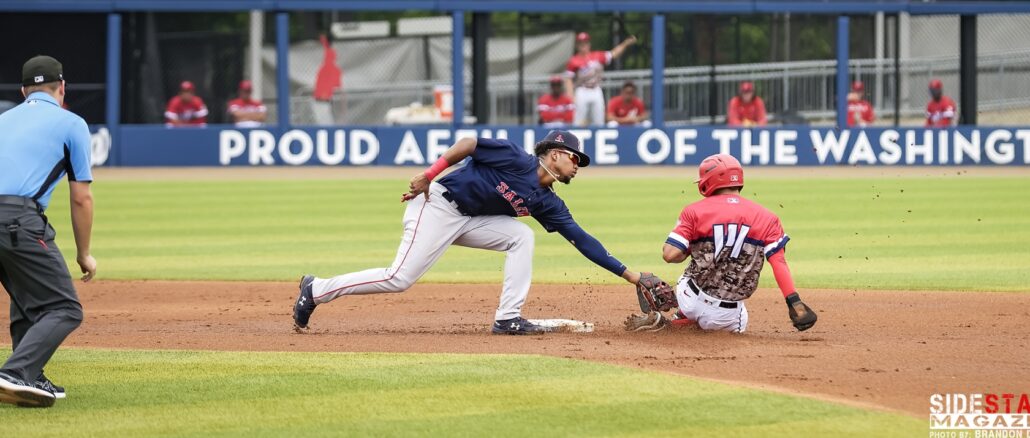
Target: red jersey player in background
[(746, 109), (940, 110), (583, 73), (556, 108), (627, 109), (186, 108), (728, 239), (245, 111), (860, 111)]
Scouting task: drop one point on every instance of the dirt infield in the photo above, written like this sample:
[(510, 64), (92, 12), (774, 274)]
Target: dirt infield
[(887, 349)]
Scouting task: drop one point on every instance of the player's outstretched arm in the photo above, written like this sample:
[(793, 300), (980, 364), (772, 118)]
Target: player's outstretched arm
[(419, 183), (620, 49), (800, 314)]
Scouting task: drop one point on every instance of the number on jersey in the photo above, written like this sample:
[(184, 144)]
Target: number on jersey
[(730, 236)]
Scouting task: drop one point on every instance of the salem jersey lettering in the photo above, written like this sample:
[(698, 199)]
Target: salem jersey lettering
[(728, 239)]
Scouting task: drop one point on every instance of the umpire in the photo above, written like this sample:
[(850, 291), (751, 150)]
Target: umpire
[(39, 143)]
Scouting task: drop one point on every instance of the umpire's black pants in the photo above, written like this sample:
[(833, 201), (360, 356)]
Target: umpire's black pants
[(44, 306)]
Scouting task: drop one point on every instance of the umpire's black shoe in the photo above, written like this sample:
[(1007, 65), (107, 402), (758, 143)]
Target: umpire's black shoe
[(15, 391), (45, 384), (305, 304), (517, 326)]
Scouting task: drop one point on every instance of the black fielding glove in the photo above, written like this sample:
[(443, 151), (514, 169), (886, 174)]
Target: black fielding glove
[(801, 315)]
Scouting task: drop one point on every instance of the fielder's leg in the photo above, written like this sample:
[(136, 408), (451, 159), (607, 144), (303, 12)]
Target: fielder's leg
[(429, 228), (503, 233)]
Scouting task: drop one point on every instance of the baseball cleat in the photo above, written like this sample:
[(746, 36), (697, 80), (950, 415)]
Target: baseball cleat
[(517, 326), (305, 305), (15, 391), (45, 384)]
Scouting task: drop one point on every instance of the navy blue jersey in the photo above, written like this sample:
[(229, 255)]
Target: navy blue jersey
[(500, 179)]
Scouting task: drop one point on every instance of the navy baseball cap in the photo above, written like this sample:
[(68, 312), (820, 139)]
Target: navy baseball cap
[(564, 140), (40, 70)]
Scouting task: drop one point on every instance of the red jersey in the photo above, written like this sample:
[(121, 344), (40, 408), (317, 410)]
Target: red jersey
[(940, 114), (250, 106), (555, 109), (746, 114), (193, 112), (585, 70), (860, 110), (728, 238), (618, 107)]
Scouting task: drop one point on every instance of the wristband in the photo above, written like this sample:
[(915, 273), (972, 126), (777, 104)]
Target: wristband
[(439, 166)]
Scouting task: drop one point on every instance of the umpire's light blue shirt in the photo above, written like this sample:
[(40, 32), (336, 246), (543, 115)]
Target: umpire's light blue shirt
[(39, 143)]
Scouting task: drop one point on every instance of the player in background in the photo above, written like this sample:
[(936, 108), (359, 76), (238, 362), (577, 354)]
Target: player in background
[(627, 109), (728, 239), (860, 111), (186, 108), (475, 206), (745, 109), (556, 108), (940, 110), (583, 78), (245, 111)]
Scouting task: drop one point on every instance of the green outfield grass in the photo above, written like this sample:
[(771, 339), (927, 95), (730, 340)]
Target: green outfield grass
[(956, 233), (174, 393)]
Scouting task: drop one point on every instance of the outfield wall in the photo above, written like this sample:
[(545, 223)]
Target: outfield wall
[(394, 146)]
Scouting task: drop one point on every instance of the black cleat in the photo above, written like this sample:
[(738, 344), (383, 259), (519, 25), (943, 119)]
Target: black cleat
[(305, 305), (45, 384), (15, 391), (517, 326)]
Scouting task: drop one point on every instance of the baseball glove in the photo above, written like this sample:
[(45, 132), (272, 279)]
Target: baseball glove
[(650, 322), (653, 294), (801, 315)]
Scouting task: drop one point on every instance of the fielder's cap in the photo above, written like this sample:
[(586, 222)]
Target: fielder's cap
[(246, 85), (186, 86), (747, 87), (857, 86), (40, 70), (936, 84), (564, 140), (555, 79), (582, 36)]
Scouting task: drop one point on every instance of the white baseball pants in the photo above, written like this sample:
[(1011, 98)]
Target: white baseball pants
[(705, 311), (589, 106), (429, 228)]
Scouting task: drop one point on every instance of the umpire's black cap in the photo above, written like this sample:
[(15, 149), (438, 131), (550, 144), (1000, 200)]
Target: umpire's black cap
[(40, 70), (564, 140)]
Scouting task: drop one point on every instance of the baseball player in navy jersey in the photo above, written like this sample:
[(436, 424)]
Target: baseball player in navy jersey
[(475, 206), (728, 239)]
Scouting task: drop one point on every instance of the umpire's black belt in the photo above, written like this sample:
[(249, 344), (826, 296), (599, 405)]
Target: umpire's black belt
[(697, 291), (21, 201)]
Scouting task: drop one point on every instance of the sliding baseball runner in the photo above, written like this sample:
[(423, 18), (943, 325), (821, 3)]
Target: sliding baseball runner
[(475, 206), (728, 239)]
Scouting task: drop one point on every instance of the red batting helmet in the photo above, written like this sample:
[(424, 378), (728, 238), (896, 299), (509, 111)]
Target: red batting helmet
[(719, 171), (936, 84), (857, 86)]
